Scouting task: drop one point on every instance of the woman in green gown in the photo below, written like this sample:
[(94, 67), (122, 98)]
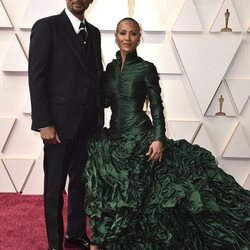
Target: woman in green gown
[(147, 192)]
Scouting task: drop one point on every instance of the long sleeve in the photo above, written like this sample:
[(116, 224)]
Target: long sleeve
[(154, 95), (39, 61)]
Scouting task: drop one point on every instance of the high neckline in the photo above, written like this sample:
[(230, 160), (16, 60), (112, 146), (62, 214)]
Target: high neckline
[(129, 57)]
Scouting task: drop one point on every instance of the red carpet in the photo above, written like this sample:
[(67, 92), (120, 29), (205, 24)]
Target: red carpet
[(22, 222)]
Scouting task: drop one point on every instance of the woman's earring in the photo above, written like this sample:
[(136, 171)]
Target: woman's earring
[(138, 42)]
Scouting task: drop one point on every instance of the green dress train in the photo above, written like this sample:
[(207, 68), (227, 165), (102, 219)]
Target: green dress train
[(184, 202)]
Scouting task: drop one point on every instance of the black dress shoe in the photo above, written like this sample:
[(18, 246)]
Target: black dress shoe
[(72, 242)]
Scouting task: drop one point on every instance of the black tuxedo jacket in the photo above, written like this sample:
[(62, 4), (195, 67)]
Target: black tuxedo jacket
[(60, 75)]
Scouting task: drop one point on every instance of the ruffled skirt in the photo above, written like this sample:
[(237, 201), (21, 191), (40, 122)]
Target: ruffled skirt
[(184, 202)]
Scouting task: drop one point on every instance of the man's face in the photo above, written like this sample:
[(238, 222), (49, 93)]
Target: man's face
[(78, 7)]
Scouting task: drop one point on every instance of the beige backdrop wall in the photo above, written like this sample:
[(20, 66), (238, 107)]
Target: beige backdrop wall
[(197, 64)]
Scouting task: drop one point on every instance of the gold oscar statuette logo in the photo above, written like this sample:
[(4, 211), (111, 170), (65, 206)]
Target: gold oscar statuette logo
[(220, 113), (226, 29)]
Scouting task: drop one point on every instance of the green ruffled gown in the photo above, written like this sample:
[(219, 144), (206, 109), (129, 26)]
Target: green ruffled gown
[(184, 202)]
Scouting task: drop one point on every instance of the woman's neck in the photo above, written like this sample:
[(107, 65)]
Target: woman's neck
[(123, 57)]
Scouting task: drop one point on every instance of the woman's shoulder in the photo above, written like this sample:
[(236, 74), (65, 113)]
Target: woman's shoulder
[(149, 67), (150, 71), (149, 64), (146, 64), (111, 65)]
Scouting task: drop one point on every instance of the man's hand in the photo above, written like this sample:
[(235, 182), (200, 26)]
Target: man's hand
[(49, 135)]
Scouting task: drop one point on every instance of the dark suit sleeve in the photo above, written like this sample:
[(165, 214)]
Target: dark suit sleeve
[(100, 90), (39, 61)]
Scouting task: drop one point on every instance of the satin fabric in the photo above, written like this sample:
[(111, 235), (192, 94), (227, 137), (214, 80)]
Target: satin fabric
[(184, 202)]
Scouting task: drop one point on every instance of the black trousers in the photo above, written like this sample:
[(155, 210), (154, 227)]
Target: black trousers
[(60, 160)]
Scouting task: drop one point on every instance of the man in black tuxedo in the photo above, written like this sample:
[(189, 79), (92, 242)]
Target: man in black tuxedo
[(65, 70)]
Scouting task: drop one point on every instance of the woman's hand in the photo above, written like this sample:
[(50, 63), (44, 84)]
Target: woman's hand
[(155, 151)]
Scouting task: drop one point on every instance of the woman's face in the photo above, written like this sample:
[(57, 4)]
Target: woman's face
[(127, 36)]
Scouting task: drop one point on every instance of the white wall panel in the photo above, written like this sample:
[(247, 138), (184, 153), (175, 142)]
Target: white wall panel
[(184, 129), (246, 184), (202, 138), (5, 184), (232, 167), (34, 184), (166, 61), (163, 56), (222, 103), (27, 107), (109, 48), (15, 60), (206, 60), (242, 8), (18, 170), (106, 14), (188, 19), (148, 16), (240, 90), (4, 19), (169, 10), (177, 101), (6, 125), (220, 129), (238, 145), (15, 10), (220, 20), (240, 68), (207, 11), (37, 9)]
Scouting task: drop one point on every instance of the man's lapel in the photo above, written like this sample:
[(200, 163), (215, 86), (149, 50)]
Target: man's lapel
[(72, 39)]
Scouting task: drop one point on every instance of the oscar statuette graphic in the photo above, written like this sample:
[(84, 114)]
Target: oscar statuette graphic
[(226, 29), (220, 113)]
